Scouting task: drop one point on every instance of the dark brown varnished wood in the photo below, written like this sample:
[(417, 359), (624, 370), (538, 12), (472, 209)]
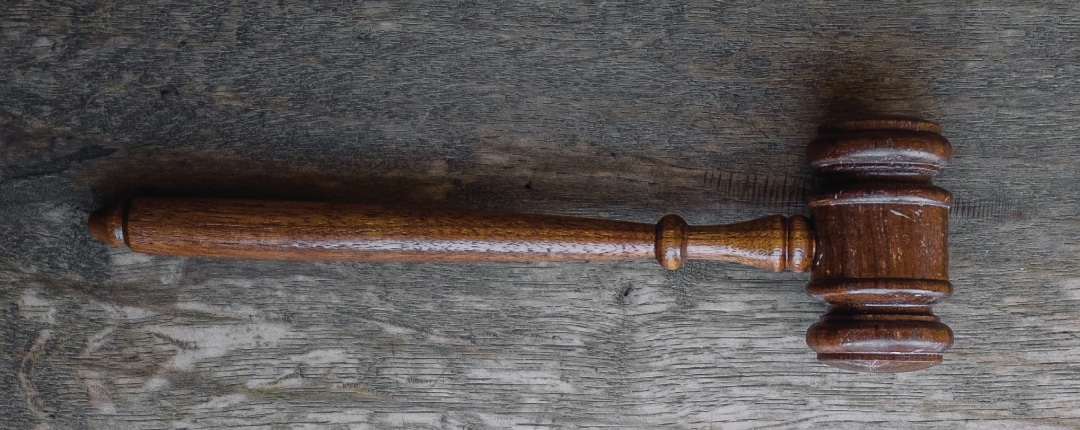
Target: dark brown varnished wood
[(877, 253), (882, 256), (282, 230)]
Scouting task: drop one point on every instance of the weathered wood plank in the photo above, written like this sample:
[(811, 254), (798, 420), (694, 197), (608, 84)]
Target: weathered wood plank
[(624, 110)]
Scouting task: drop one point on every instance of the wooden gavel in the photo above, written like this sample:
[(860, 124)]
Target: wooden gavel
[(877, 249)]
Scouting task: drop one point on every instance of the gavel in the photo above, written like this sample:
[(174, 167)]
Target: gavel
[(876, 245)]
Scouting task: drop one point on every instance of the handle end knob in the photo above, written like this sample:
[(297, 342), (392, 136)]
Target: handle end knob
[(107, 224)]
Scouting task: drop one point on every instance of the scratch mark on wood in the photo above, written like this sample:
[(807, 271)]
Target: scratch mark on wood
[(25, 376)]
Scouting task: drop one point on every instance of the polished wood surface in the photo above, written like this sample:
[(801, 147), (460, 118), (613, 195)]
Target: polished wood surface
[(882, 236), (880, 258), (312, 231)]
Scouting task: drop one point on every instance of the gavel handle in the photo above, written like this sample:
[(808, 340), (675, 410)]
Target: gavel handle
[(281, 230)]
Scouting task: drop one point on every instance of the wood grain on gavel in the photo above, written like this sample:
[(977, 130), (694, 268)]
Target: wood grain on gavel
[(258, 229), (877, 253)]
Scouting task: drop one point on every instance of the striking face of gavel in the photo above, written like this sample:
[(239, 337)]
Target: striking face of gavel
[(877, 249)]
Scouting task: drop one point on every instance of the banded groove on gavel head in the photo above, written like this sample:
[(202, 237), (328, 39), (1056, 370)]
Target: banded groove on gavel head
[(882, 244)]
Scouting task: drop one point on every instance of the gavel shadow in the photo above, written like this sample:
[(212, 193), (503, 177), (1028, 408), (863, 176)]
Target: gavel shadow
[(195, 174), (582, 184)]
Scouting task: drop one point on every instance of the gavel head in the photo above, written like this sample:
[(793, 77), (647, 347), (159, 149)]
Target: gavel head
[(881, 259)]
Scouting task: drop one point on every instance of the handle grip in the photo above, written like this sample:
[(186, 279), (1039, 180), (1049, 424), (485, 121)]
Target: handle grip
[(281, 230)]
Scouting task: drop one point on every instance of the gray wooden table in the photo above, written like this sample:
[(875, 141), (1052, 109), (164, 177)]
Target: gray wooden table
[(624, 110)]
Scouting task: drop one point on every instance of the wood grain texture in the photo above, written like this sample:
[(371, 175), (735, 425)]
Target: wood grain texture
[(624, 111), (879, 257), (322, 231), (882, 232)]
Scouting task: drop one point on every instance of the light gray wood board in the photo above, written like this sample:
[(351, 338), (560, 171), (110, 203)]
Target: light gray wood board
[(598, 109)]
